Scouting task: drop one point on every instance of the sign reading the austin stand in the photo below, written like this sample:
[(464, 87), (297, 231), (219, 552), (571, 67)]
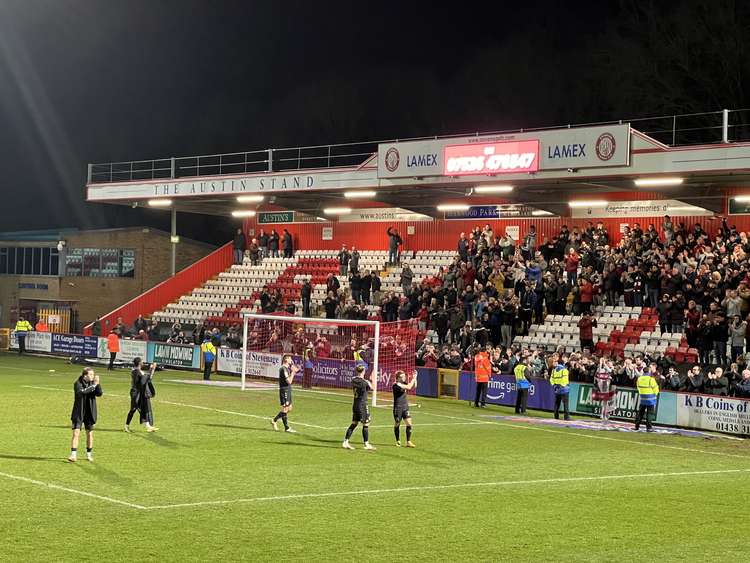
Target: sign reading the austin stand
[(556, 149)]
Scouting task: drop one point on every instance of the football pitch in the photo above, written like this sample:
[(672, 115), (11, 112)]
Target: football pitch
[(217, 483)]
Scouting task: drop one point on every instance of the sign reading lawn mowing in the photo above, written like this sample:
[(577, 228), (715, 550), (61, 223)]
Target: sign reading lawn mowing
[(174, 355)]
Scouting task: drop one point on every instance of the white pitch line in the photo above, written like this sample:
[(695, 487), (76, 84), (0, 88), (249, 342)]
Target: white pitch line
[(446, 487), (73, 491), (199, 407), (581, 435)]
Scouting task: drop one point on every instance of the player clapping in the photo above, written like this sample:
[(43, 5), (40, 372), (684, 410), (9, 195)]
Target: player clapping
[(287, 371), (401, 407), (360, 408), (85, 391)]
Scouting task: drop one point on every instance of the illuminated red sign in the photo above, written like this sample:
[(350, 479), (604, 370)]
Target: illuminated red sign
[(491, 158)]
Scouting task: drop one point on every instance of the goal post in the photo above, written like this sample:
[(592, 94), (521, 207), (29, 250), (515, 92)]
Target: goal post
[(327, 351)]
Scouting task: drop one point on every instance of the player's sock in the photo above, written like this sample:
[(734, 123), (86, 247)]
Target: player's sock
[(73, 452), (366, 433), (408, 433), (278, 416), (285, 421), (397, 432), (350, 431)]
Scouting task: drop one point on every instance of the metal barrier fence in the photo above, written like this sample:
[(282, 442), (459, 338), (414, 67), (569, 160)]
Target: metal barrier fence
[(673, 130)]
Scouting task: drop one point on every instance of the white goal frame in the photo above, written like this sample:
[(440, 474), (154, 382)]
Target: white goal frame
[(314, 320)]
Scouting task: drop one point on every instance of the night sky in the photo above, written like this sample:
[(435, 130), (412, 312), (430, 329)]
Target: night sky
[(95, 81)]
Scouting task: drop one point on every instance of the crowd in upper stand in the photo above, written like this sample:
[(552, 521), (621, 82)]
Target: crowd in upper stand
[(497, 287)]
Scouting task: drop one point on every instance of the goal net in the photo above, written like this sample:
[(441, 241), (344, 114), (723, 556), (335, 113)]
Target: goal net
[(327, 351)]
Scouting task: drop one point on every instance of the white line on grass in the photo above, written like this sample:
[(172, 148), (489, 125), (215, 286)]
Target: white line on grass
[(198, 407), (446, 487), (73, 491), (580, 434)]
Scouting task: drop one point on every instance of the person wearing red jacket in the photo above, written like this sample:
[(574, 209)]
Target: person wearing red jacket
[(586, 331), (571, 266), (482, 371), (587, 290)]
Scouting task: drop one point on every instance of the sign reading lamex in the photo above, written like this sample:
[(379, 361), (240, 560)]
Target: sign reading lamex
[(491, 158)]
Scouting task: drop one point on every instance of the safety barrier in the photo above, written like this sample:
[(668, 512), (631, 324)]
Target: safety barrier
[(157, 297), (688, 410)]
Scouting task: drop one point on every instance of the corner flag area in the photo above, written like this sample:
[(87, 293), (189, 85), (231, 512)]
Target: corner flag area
[(480, 485)]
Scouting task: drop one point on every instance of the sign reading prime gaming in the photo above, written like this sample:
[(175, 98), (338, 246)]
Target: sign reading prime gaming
[(491, 158)]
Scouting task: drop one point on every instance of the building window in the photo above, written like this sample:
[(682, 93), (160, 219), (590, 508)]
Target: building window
[(100, 263), (29, 261)]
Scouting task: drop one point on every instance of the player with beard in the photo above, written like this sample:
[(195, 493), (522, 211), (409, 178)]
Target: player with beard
[(401, 407)]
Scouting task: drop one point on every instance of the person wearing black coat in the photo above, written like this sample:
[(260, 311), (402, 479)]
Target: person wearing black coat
[(273, 244), (693, 383), (141, 392), (287, 244), (306, 294), (85, 391), (239, 245), (716, 383), (365, 285)]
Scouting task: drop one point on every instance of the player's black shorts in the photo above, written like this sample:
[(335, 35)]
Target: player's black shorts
[(361, 414), (87, 424), (400, 414), (285, 396)]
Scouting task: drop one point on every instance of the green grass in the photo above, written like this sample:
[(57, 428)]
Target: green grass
[(535, 510)]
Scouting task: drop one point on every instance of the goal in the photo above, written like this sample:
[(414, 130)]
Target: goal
[(327, 351)]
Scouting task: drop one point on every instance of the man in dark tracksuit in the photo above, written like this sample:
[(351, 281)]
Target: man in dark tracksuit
[(85, 391), (141, 392)]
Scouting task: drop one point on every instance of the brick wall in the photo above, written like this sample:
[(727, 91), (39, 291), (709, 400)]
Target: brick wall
[(98, 296)]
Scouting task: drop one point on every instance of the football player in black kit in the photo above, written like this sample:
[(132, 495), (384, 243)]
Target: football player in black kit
[(287, 371), (401, 407), (360, 408)]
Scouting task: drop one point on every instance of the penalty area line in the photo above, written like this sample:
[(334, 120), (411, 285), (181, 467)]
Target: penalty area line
[(367, 492), (72, 491)]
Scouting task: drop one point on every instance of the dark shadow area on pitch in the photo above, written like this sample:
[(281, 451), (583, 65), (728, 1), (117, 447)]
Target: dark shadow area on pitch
[(101, 473), (83, 431), (156, 439), (30, 457)]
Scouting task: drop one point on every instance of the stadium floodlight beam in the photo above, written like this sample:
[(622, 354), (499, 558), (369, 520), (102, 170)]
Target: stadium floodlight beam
[(588, 203), (250, 198), (742, 198), (337, 210), (159, 202), (658, 182), (453, 207), (360, 194), (243, 213), (499, 189)]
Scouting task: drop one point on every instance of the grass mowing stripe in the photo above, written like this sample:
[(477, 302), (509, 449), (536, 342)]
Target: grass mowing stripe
[(581, 435), (447, 487), (69, 490)]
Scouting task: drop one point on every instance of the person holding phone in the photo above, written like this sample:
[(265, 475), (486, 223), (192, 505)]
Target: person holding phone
[(141, 392)]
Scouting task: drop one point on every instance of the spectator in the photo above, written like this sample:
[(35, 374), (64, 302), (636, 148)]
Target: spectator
[(394, 244), (273, 244), (343, 257), (263, 243), (254, 252), (287, 244), (239, 245), (737, 331), (140, 324), (354, 261), (365, 287), (716, 383), (305, 294), (407, 276), (585, 327), (742, 389)]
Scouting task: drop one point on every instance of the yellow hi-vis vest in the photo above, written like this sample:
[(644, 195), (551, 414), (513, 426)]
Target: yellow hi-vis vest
[(648, 390), (23, 326)]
